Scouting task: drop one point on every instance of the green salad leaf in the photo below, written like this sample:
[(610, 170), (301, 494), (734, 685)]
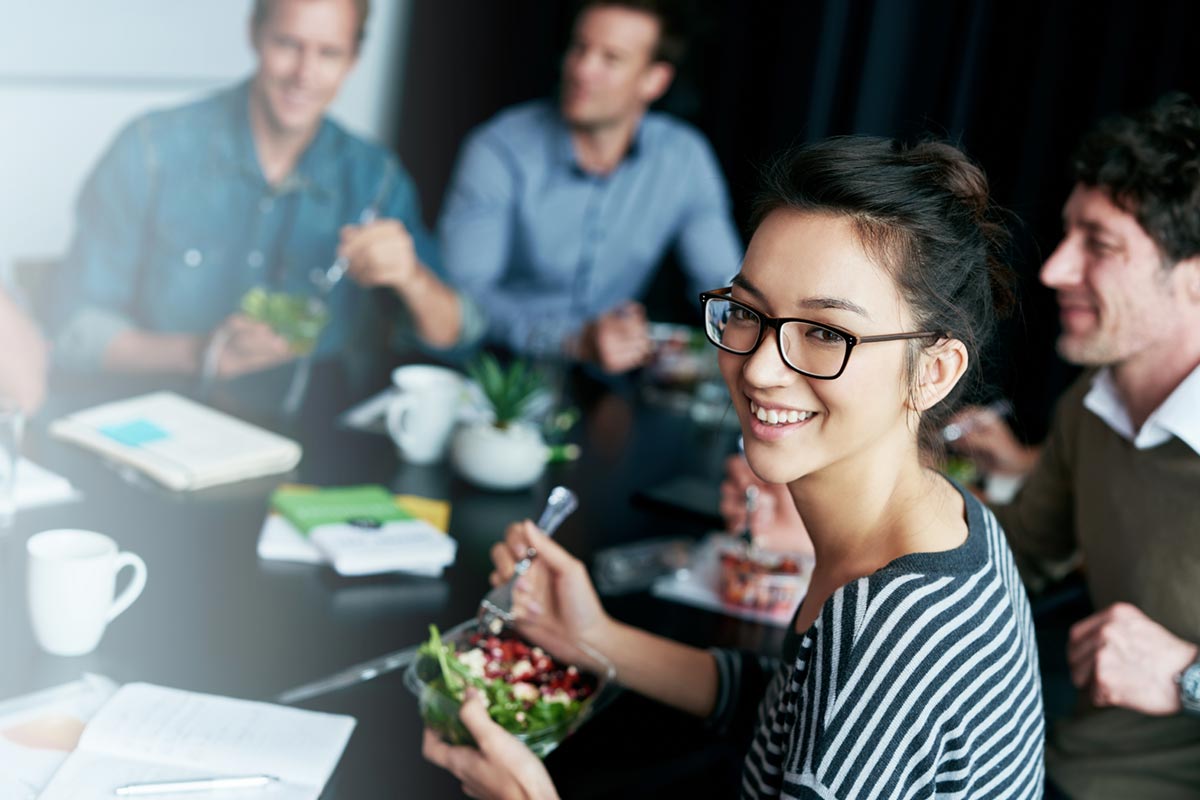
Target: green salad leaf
[(510, 712), (297, 318)]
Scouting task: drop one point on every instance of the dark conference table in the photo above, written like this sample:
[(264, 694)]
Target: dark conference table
[(215, 618)]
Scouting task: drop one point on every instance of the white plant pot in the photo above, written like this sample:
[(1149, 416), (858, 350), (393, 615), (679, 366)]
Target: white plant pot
[(512, 458)]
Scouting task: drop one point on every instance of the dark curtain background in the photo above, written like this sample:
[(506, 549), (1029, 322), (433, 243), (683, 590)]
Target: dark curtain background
[(1015, 82)]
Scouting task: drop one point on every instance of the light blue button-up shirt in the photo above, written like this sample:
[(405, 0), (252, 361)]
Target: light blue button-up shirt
[(176, 223), (543, 247)]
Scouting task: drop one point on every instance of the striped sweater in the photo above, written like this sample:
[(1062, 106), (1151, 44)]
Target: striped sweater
[(918, 681)]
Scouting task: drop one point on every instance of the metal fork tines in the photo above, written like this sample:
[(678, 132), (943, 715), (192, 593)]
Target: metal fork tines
[(495, 609)]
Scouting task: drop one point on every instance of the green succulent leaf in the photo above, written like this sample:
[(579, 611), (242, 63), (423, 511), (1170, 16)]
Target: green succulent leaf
[(510, 390)]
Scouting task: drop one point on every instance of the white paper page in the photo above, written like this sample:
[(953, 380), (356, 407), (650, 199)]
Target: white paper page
[(37, 732), (400, 546), (158, 726), (37, 486), (280, 541), (95, 776)]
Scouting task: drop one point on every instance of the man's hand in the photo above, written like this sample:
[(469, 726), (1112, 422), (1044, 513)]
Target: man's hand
[(1123, 658), (776, 524), (242, 345), (985, 438), (381, 253), (619, 340), (501, 766)]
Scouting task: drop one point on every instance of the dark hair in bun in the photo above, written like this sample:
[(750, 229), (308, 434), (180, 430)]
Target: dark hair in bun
[(923, 212)]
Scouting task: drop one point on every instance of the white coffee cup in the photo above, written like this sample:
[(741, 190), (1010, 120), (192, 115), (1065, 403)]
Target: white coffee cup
[(423, 412), (71, 582)]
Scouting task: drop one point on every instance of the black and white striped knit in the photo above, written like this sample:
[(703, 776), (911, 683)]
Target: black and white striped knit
[(918, 681)]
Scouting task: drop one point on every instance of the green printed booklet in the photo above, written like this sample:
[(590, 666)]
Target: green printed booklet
[(358, 530)]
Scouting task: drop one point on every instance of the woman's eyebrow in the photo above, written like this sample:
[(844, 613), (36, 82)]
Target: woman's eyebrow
[(742, 282), (820, 303), (834, 302)]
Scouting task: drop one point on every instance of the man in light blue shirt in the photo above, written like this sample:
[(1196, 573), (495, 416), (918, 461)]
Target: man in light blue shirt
[(558, 215), (253, 187)]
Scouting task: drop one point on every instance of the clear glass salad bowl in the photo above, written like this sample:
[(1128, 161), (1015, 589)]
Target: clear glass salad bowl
[(543, 728)]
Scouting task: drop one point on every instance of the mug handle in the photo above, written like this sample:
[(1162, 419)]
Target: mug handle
[(136, 584), (396, 414)]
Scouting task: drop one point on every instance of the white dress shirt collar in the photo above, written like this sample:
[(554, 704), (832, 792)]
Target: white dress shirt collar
[(1179, 414)]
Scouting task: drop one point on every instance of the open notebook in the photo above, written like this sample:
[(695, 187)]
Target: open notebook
[(148, 733), (178, 442)]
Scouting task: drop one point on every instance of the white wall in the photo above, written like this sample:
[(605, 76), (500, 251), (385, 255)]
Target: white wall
[(73, 71)]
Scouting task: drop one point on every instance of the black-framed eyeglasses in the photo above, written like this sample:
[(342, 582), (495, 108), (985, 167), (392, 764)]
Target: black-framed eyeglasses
[(811, 348)]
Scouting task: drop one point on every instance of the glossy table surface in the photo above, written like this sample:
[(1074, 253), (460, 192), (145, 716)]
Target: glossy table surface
[(215, 618)]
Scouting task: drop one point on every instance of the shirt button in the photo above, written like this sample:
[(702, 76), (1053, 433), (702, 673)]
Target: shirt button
[(266, 204), (255, 259), (192, 257)]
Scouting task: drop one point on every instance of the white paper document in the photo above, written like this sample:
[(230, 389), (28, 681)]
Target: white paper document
[(178, 442), (149, 733), (37, 486), (38, 732)]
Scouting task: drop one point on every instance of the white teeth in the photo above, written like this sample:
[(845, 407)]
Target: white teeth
[(777, 417)]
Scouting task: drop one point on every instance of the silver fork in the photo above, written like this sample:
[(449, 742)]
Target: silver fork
[(326, 279), (495, 609)]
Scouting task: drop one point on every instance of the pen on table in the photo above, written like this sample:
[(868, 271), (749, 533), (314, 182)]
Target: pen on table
[(196, 785)]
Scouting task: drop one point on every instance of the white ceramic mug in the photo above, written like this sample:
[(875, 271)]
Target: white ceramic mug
[(423, 412), (71, 582)]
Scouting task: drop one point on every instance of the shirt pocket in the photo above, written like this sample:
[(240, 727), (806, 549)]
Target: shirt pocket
[(189, 282)]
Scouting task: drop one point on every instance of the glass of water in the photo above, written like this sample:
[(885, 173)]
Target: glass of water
[(12, 426)]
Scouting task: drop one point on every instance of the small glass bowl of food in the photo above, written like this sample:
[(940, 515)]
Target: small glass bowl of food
[(764, 580), (540, 694), (298, 318)]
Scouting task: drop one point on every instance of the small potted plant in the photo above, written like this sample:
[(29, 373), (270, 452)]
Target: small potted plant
[(505, 449)]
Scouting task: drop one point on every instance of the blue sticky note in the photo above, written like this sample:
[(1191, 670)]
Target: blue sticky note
[(135, 433)]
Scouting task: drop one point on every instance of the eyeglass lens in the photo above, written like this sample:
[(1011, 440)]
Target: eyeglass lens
[(807, 347)]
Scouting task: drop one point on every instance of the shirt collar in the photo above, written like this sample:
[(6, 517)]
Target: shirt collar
[(1178, 415), (316, 169), (566, 148)]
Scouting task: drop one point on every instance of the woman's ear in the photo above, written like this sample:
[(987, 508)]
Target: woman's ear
[(942, 366)]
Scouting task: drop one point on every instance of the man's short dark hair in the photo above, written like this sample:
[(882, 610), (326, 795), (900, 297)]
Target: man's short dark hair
[(672, 44), (263, 8), (1150, 164)]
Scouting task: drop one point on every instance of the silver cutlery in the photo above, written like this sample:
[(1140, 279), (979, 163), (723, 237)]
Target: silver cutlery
[(495, 609)]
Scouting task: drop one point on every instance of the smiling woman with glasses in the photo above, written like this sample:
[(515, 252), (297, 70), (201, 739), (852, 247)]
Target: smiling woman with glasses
[(910, 669)]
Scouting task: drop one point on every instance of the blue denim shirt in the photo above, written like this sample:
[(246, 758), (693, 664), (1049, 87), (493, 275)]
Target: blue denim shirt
[(543, 246), (176, 223)]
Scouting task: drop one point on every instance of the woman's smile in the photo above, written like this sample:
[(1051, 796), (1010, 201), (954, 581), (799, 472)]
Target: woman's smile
[(773, 422)]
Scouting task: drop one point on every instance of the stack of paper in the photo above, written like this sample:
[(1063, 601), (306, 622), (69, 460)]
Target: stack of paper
[(358, 530), (148, 733), (179, 443)]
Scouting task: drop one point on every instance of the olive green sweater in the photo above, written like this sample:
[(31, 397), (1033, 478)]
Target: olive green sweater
[(1134, 517)]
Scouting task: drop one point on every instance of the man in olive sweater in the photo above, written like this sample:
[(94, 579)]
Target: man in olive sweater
[(1118, 481)]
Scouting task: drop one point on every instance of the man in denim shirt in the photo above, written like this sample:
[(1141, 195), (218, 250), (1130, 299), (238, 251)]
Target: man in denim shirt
[(253, 187), (558, 215)]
